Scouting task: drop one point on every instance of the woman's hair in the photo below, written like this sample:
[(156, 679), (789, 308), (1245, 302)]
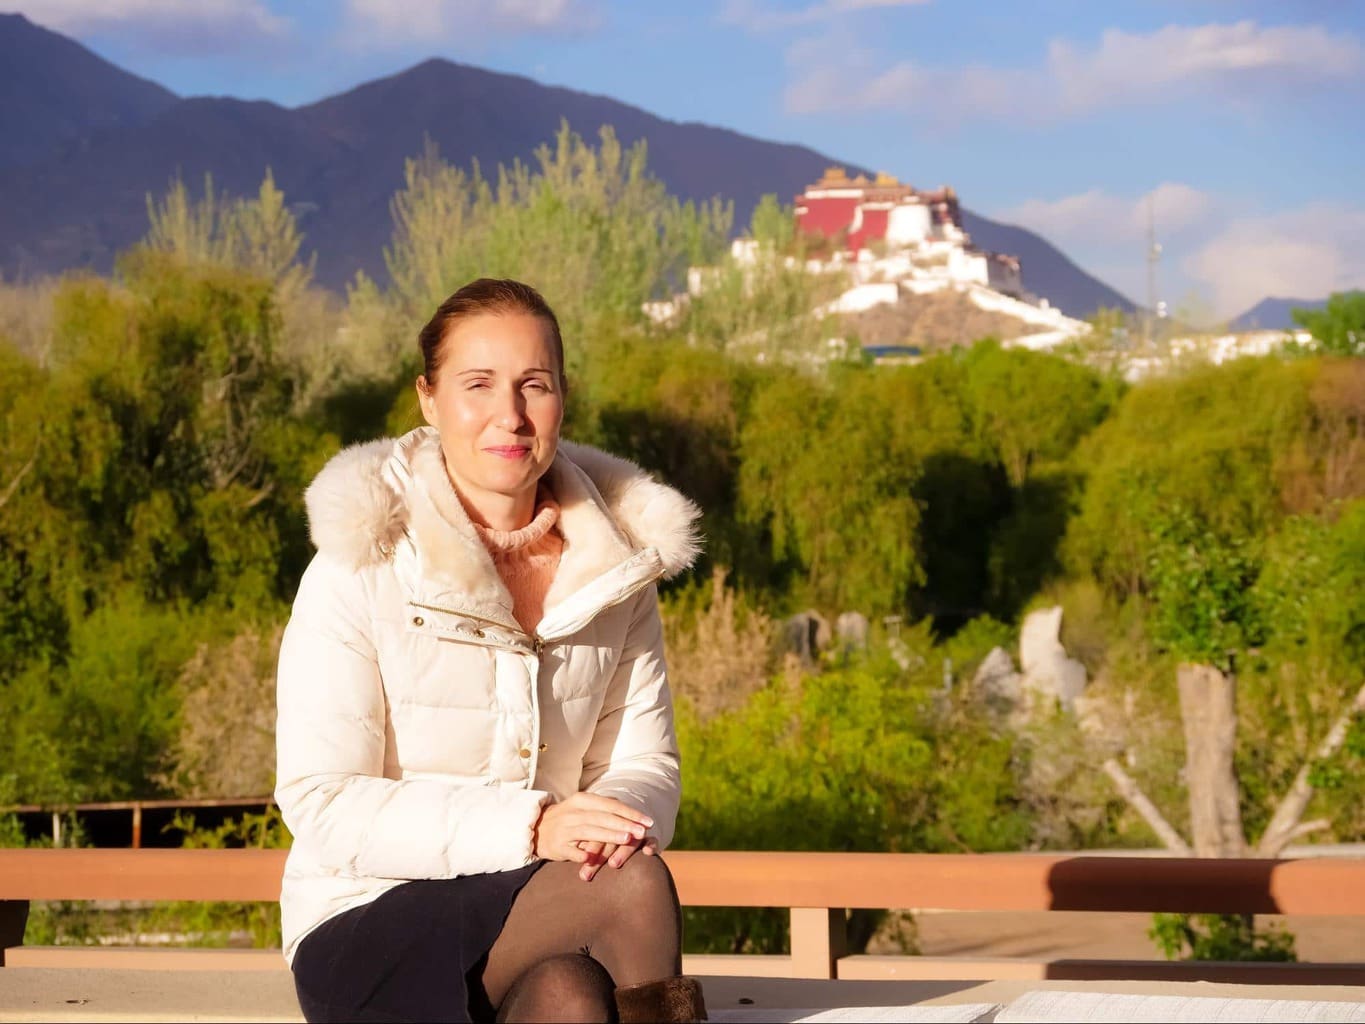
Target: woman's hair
[(485, 295)]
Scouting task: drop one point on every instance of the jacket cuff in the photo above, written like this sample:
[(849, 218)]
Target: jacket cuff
[(520, 839)]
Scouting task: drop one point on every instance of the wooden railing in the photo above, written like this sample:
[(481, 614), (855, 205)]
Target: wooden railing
[(817, 888)]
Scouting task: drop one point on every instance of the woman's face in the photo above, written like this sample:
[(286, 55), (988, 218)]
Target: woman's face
[(497, 404)]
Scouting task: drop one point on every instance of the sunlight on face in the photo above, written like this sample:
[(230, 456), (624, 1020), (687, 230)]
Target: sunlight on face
[(497, 405)]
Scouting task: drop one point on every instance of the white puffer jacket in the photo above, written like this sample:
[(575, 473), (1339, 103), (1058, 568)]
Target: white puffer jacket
[(420, 728)]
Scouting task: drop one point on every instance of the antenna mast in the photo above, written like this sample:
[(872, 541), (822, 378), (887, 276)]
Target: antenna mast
[(1153, 258)]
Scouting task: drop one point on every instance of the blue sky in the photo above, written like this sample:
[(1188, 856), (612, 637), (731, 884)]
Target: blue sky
[(1241, 120)]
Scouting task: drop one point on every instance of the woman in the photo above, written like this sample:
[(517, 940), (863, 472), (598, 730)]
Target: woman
[(476, 749)]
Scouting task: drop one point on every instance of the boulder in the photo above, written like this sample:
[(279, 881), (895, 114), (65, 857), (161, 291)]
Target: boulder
[(852, 628), (1048, 671), (996, 681)]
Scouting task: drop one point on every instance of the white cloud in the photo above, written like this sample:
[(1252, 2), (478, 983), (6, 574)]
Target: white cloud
[(1124, 68), (759, 17), (169, 26), (1218, 257), (1301, 253), (384, 22), (1097, 216)]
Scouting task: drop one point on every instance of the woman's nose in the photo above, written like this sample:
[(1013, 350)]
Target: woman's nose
[(511, 415)]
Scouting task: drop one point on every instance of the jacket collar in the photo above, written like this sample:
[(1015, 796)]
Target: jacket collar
[(391, 500)]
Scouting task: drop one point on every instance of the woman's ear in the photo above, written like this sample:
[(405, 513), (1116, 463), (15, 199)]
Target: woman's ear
[(427, 401)]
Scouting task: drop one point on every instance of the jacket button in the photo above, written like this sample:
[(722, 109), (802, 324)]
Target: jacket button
[(525, 752), (417, 620)]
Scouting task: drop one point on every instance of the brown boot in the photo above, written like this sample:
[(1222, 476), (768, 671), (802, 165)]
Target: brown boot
[(670, 1000)]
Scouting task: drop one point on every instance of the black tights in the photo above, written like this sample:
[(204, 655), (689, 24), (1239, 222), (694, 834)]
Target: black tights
[(568, 943), (441, 950)]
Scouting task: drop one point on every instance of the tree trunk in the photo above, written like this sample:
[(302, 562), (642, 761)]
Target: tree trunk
[(1208, 708)]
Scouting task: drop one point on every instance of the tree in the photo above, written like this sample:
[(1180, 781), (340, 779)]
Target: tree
[(761, 301), (589, 226), (1032, 408), (830, 467), (259, 236), (1339, 328), (1184, 504)]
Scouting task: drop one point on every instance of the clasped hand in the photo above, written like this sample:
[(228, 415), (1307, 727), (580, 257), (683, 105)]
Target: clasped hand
[(592, 830)]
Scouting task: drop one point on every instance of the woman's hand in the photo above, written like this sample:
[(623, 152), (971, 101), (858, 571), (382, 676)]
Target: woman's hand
[(614, 854), (564, 828)]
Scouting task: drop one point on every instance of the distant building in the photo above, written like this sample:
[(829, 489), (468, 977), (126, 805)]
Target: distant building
[(852, 214), (856, 211)]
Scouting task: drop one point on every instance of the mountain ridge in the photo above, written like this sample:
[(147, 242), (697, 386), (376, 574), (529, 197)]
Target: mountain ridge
[(1273, 314), (40, 110), (340, 159)]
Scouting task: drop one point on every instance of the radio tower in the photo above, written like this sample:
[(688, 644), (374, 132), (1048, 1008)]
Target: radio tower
[(1153, 258)]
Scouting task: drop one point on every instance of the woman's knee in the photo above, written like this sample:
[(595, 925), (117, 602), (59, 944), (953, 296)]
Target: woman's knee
[(568, 987), (643, 881)]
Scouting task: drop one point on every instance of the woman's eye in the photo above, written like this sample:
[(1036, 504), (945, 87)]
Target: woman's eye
[(475, 385), (536, 385)]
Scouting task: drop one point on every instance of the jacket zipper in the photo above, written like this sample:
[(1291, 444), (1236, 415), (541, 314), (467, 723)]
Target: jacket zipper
[(536, 640), (537, 643)]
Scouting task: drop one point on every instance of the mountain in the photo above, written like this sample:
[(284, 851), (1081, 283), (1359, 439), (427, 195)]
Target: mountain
[(339, 162), (54, 90), (1045, 270), (1273, 314)]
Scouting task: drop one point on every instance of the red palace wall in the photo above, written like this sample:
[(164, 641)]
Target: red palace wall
[(828, 216), (873, 227)]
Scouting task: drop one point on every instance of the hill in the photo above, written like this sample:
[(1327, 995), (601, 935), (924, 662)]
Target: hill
[(341, 159), (53, 90), (1045, 269), (1273, 314)]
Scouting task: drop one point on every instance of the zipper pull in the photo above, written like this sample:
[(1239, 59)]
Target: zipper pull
[(538, 645)]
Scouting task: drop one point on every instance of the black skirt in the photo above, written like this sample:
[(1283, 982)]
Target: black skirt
[(416, 953)]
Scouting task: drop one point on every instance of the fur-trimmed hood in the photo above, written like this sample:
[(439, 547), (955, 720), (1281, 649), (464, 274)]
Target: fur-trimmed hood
[(372, 499)]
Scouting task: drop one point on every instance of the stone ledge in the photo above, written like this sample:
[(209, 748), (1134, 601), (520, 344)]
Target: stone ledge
[(80, 995)]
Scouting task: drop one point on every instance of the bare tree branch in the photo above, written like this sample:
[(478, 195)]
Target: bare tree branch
[(1138, 800), (1284, 826), (1307, 828), (14, 484)]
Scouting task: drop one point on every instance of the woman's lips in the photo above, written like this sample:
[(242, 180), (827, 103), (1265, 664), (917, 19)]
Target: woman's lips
[(510, 451)]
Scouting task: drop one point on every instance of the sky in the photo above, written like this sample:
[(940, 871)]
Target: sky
[(1240, 126)]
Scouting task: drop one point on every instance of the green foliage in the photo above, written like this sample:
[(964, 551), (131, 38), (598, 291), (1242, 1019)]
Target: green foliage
[(157, 431), (1200, 587), (758, 301), (155, 466), (220, 924), (850, 520), (257, 236), (1032, 408), (862, 758), (589, 227), (1220, 937), (1339, 328)]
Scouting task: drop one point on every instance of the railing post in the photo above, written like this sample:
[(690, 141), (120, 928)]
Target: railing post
[(819, 939)]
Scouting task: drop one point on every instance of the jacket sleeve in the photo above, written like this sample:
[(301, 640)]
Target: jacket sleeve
[(633, 755), (330, 744)]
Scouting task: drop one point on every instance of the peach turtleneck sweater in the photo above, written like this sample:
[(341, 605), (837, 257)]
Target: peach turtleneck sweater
[(527, 559)]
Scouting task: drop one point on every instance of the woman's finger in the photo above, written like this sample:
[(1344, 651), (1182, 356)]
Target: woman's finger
[(609, 805), (600, 854), (577, 824), (584, 832), (623, 853)]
